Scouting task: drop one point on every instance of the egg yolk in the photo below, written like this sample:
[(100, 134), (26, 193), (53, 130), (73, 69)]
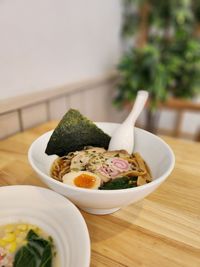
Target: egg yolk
[(85, 180)]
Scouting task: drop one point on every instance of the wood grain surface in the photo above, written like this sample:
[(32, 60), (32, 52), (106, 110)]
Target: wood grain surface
[(162, 230)]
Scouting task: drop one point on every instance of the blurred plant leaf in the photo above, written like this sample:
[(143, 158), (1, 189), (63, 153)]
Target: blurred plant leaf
[(169, 63)]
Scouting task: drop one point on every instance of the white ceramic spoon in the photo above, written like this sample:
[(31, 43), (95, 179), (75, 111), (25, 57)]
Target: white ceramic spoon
[(123, 137)]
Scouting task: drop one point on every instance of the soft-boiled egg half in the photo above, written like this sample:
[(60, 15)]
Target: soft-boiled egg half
[(82, 179)]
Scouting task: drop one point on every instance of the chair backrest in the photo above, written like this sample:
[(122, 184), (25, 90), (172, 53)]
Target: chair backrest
[(181, 106)]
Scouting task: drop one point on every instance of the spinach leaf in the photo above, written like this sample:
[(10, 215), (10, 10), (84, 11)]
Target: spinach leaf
[(37, 252), (120, 183), (24, 257)]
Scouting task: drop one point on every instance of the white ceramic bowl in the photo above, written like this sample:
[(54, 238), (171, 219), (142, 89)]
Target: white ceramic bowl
[(153, 149), (53, 213)]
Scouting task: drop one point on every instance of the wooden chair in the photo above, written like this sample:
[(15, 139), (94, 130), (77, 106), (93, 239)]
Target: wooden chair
[(181, 106)]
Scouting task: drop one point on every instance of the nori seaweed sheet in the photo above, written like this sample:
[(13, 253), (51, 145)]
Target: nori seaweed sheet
[(73, 133)]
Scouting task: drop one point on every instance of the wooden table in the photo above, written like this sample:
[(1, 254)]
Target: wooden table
[(162, 230)]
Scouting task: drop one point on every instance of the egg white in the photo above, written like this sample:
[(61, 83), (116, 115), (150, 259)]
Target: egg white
[(71, 176)]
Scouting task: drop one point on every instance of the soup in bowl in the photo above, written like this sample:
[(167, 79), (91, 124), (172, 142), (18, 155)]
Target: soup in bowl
[(157, 155)]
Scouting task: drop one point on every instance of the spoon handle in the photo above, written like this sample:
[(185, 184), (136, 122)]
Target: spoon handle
[(137, 107)]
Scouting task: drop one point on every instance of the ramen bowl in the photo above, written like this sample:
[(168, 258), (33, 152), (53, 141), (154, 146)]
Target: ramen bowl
[(158, 155)]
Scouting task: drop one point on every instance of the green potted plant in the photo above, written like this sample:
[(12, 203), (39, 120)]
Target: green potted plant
[(165, 55)]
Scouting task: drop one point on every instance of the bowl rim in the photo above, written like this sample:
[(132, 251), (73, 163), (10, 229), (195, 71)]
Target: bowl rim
[(155, 182)]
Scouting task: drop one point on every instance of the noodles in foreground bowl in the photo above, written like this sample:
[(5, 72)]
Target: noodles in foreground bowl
[(97, 168)]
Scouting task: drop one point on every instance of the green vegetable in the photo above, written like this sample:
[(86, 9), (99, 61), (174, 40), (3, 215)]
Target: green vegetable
[(37, 252), (73, 133), (120, 183)]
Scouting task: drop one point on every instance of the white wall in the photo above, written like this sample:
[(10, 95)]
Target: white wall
[(45, 43)]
